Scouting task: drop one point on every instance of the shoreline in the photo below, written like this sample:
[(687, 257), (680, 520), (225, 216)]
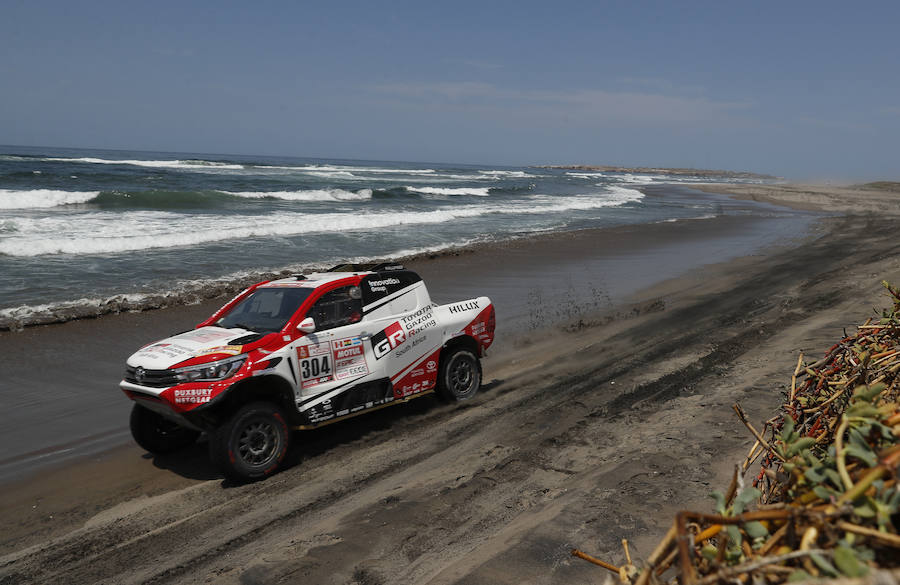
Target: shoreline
[(537, 282), (722, 174), (821, 198), (542, 280), (582, 436), (18, 319)]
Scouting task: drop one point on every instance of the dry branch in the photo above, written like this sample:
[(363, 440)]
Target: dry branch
[(827, 492)]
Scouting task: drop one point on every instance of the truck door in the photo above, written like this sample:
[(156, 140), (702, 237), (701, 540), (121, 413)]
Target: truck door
[(333, 362)]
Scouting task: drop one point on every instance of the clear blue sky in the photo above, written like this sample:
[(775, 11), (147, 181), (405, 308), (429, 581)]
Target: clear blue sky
[(806, 90)]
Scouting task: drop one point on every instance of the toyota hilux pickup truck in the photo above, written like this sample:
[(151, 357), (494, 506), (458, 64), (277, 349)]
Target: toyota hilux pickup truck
[(298, 353)]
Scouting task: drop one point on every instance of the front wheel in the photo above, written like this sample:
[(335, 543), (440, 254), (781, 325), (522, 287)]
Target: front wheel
[(459, 376), (252, 443), (157, 434)]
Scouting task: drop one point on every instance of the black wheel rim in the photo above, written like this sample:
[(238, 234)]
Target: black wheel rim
[(460, 376), (258, 443)]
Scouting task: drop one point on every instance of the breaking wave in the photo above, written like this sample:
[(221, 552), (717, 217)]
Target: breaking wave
[(506, 174), (190, 291), (330, 170), (620, 195), (159, 164), (161, 199), (637, 179), (584, 175), (309, 195), (476, 191), (42, 198), (697, 218), (332, 174), (143, 230)]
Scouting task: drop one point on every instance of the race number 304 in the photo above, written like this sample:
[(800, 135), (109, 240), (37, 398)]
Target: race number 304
[(315, 367)]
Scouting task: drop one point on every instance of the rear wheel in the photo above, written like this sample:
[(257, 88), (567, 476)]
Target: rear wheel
[(459, 376), (157, 434), (252, 443)]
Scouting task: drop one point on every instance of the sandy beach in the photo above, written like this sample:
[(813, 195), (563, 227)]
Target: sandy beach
[(607, 408)]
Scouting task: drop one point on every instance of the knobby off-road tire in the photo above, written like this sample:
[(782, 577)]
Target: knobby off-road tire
[(459, 376), (157, 434), (252, 443)]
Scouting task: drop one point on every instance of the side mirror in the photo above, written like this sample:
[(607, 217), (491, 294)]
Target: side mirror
[(308, 325)]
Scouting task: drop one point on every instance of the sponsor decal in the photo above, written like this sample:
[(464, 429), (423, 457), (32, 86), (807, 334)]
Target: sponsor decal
[(192, 395), (414, 388), (169, 350), (347, 352), (422, 314), (420, 320), (349, 358), (228, 349), (336, 360), (388, 339), (199, 335), (416, 341), (315, 369), (313, 349), (463, 307), (349, 342), (321, 412), (422, 377), (381, 285), (311, 382), (351, 371), (482, 327), (351, 366)]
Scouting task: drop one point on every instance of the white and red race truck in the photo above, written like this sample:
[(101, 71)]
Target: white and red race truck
[(300, 352)]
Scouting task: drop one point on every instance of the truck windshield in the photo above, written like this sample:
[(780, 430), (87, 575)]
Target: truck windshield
[(266, 309)]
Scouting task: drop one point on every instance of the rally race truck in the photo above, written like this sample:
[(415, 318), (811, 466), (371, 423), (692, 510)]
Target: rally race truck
[(298, 353)]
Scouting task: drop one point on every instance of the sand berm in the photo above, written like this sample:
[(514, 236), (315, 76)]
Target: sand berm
[(583, 435)]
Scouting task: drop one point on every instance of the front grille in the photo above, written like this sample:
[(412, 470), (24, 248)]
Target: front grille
[(150, 378)]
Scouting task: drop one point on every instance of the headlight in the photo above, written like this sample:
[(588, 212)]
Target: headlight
[(212, 371)]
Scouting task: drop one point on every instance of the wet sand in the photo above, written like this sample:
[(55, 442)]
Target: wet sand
[(600, 419), (65, 376)]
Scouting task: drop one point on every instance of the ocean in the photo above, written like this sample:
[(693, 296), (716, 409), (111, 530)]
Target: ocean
[(82, 229)]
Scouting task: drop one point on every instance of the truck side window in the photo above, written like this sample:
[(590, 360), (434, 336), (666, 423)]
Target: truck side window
[(337, 308)]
